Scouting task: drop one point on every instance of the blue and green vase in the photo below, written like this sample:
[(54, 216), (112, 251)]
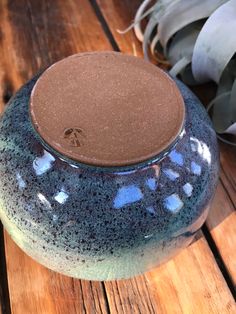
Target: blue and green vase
[(105, 220)]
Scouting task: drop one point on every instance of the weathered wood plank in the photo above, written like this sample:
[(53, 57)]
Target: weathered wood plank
[(221, 223), (4, 293), (33, 35), (1, 287), (118, 16), (77, 34), (35, 289), (228, 173), (191, 283), (131, 296), (1, 269)]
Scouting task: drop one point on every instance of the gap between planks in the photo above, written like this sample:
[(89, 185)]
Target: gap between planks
[(169, 280), (36, 27), (4, 291), (126, 43)]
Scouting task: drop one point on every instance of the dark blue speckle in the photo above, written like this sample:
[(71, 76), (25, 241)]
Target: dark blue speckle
[(101, 223)]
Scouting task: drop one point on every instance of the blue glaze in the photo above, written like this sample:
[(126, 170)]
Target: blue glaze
[(104, 223)]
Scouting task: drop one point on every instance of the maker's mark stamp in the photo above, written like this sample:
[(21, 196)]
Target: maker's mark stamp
[(74, 136)]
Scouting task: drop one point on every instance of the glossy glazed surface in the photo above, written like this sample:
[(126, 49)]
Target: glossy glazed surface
[(104, 223)]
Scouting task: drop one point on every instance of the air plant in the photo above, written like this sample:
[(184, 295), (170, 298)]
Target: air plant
[(197, 38)]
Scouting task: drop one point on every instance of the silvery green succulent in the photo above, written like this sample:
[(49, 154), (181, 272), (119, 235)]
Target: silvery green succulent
[(198, 40)]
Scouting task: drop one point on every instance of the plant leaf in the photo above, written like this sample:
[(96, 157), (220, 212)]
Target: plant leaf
[(232, 103), (152, 23), (224, 105), (181, 48), (187, 76), (221, 114), (154, 42), (139, 16), (179, 66), (183, 42), (182, 13), (227, 78), (161, 7), (216, 44)]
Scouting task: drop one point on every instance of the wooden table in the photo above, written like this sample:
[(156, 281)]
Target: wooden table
[(202, 278)]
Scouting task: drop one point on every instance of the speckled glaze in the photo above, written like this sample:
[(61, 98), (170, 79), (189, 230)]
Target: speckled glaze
[(104, 223)]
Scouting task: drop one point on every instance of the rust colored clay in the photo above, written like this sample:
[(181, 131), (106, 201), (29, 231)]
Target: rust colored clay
[(106, 109)]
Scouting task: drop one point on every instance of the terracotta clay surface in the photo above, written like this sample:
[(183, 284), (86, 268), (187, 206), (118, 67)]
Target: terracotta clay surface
[(106, 108)]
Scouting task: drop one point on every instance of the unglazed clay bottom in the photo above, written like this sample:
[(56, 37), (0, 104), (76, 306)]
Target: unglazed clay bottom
[(103, 223)]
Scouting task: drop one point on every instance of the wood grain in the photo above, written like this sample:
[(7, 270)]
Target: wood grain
[(119, 15), (4, 293), (38, 33), (1, 301), (221, 223), (228, 173), (35, 34), (131, 296), (1, 270), (201, 250), (35, 289), (189, 283)]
